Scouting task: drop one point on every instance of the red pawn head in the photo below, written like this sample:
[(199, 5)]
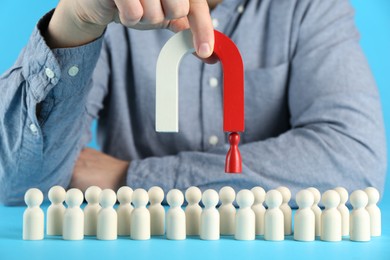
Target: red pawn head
[(233, 162)]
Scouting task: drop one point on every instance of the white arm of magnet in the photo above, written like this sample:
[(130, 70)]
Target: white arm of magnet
[(167, 81)]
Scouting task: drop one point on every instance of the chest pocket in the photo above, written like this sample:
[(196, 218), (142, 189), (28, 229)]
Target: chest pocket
[(266, 107)]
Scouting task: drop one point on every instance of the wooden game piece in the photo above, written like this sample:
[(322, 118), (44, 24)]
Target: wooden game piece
[(304, 219), (73, 228), (331, 217), (259, 209), (374, 211), (140, 217), (227, 212), (344, 211), (245, 218), (286, 209), (107, 222), (157, 211), (33, 216), (124, 195), (209, 220), (193, 210), (274, 218), (360, 218), (55, 212), (316, 209), (92, 195), (176, 218)]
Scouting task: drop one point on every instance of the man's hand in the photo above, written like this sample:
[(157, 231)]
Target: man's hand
[(96, 168), (76, 22)]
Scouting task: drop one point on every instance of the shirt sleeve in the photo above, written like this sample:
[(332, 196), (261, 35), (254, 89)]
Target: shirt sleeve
[(38, 147), (337, 132)]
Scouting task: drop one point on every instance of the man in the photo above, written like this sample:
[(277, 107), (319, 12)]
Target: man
[(313, 115)]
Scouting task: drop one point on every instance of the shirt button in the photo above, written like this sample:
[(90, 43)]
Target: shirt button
[(49, 73), (34, 129), (215, 22), (213, 82), (73, 71), (240, 9), (213, 140)]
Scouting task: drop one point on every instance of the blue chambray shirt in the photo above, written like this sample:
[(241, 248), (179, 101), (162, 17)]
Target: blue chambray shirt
[(312, 110)]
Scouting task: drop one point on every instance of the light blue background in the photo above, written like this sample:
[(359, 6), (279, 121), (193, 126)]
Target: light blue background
[(18, 18)]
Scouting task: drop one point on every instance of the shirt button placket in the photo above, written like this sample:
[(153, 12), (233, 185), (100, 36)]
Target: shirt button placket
[(213, 140), (49, 73), (33, 129), (215, 23), (240, 9), (213, 82), (73, 71)]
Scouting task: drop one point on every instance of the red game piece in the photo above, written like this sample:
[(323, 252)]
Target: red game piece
[(233, 157)]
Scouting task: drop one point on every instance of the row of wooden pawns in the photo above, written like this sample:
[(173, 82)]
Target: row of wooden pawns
[(100, 219)]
